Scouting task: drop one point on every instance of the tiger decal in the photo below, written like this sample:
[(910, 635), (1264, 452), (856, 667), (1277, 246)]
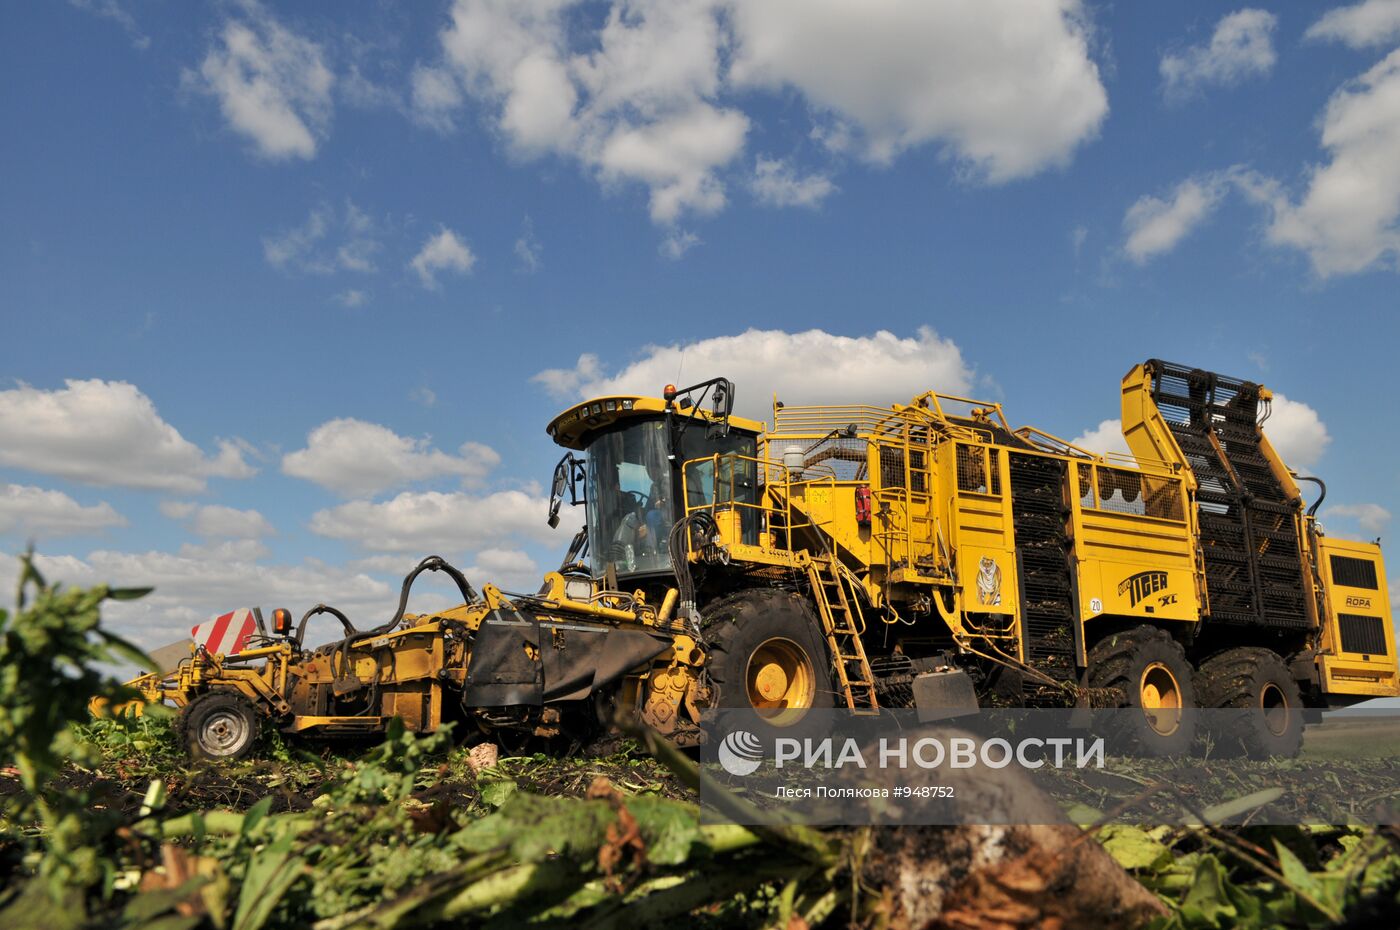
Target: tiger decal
[(989, 583)]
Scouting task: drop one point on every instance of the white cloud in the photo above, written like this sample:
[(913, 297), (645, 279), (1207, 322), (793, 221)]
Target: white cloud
[(1154, 226), (1346, 221), (648, 94), (305, 248), (777, 184), (528, 251), (442, 252), (636, 106), (423, 395), (1296, 432), (214, 521), (508, 569), (565, 382), (202, 581), (1362, 25), (30, 511), (1006, 88), (1372, 518), (273, 86), (677, 242), (352, 457), (436, 95), (812, 367), (352, 298), (1104, 438), (1240, 47), (106, 433), (421, 522)]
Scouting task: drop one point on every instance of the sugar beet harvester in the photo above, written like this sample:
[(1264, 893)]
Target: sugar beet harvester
[(863, 557)]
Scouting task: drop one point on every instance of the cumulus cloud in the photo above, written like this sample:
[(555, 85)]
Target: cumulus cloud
[(1362, 25), (508, 569), (106, 433), (1372, 518), (327, 242), (635, 104), (1005, 88), (812, 367), (1296, 432), (1105, 438), (416, 522), (777, 184), (36, 512), (1241, 47), (1346, 221), (202, 581), (1154, 226), (352, 457), (442, 252), (273, 86), (214, 521)]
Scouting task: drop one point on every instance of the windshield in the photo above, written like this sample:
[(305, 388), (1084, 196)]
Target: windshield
[(630, 512)]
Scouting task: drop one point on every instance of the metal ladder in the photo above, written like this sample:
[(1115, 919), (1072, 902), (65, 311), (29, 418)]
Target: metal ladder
[(842, 622)]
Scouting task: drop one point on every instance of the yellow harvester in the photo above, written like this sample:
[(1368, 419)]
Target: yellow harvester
[(923, 555)]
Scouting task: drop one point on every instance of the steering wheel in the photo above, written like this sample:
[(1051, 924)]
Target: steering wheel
[(639, 501)]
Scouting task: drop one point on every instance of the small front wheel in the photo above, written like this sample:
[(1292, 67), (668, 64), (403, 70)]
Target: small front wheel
[(219, 725)]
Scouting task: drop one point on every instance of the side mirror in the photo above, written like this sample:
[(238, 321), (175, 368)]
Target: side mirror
[(567, 474)]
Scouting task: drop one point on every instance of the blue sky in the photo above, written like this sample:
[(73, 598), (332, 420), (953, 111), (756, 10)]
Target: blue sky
[(320, 273)]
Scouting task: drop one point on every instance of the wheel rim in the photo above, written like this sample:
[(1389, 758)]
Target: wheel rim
[(223, 733), (1274, 704), (781, 681), (1160, 697)]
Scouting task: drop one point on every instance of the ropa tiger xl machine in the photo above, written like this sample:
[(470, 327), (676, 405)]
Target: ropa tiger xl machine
[(923, 554)]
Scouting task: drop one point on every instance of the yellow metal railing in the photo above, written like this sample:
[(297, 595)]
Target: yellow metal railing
[(772, 495)]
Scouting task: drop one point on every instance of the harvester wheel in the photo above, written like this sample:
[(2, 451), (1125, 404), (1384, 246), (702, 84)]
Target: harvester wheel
[(1261, 706), (1149, 669), (219, 725), (767, 654)]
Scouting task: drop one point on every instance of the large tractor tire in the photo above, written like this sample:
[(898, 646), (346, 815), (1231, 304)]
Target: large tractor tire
[(219, 726), (768, 654), (1261, 706), (1149, 669)]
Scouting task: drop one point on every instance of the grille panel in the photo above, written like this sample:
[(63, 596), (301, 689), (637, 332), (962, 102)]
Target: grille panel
[(1354, 573), (1362, 634)]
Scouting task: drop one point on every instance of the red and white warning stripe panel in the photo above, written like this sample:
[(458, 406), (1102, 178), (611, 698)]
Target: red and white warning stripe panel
[(227, 633)]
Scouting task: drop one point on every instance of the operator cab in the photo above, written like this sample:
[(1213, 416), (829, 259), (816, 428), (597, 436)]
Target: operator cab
[(632, 477)]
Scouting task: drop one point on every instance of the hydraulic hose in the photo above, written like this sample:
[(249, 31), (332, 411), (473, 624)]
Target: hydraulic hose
[(434, 563), (322, 609), (685, 582), (1322, 496)]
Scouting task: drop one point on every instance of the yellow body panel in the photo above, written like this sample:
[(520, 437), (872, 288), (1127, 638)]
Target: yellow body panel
[(1350, 662)]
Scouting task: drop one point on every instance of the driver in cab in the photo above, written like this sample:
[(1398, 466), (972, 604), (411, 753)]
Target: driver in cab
[(643, 530)]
